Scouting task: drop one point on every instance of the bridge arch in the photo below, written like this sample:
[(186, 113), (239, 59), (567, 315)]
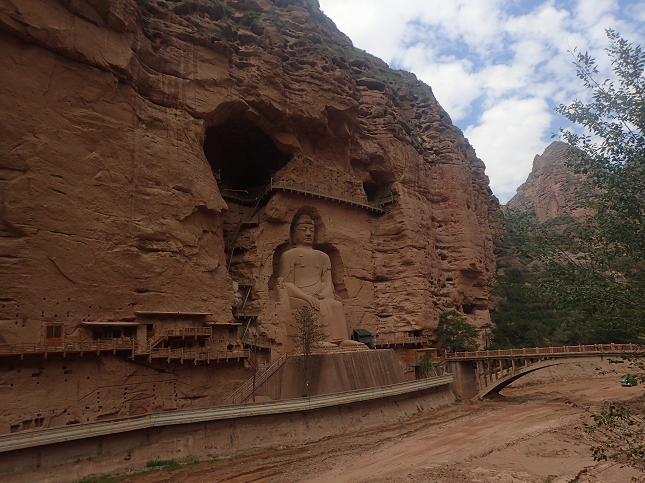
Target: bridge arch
[(514, 374)]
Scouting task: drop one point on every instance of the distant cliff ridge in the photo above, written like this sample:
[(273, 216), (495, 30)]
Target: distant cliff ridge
[(550, 191)]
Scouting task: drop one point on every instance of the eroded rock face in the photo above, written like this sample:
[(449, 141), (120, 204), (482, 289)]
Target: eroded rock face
[(118, 118), (551, 189)]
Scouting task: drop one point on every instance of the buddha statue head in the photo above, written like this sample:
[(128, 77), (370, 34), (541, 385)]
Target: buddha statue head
[(303, 231)]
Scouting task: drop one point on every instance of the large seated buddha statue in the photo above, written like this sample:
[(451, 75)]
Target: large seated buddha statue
[(304, 277)]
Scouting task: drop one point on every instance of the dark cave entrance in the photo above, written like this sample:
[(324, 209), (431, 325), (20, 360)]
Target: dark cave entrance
[(378, 185), (242, 154)]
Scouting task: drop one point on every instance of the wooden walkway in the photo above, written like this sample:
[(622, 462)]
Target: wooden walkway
[(70, 347), (394, 340), (132, 347), (377, 206), (200, 354)]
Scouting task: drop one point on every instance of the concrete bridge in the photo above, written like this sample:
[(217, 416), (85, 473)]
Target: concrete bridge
[(481, 374)]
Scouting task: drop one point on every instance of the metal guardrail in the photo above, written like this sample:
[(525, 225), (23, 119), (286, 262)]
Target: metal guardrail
[(39, 437), (564, 351)]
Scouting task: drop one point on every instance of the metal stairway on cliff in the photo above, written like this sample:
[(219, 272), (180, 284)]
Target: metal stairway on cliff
[(242, 312), (246, 389)]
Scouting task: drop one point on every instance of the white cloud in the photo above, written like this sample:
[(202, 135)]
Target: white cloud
[(507, 138), (453, 86), (496, 66), (589, 12)]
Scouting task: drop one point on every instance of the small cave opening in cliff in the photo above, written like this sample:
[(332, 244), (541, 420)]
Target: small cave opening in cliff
[(377, 185), (242, 155)]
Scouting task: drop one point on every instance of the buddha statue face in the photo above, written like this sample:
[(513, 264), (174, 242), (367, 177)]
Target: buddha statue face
[(303, 231)]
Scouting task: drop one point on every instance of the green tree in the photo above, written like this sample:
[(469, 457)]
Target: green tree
[(425, 365), (574, 294), (594, 273), (308, 335), (455, 333), (599, 267), (611, 153), (600, 271)]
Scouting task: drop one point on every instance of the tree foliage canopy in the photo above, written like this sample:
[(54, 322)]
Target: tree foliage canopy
[(594, 272), (601, 266), (612, 151), (308, 335), (455, 333)]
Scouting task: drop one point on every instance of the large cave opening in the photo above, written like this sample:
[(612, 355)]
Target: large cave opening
[(242, 155)]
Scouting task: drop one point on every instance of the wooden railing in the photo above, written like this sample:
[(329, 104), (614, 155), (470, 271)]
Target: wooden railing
[(69, 346), (335, 349), (197, 354), (258, 341), (548, 351), (182, 332), (244, 312), (399, 339)]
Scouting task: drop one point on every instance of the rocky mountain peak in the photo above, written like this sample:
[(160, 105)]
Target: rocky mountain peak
[(550, 190)]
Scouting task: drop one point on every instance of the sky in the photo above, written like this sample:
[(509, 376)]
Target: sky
[(498, 67)]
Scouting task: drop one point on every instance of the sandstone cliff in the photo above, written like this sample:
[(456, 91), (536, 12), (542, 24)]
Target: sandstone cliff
[(551, 189), (133, 136)]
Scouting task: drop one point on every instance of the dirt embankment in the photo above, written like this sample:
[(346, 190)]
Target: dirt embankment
[(530, 436)]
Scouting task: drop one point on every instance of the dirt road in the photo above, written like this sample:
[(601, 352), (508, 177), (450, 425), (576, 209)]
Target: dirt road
[(531, 436)]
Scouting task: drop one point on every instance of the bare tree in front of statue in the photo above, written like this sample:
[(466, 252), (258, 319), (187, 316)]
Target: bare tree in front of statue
[(308, 336)]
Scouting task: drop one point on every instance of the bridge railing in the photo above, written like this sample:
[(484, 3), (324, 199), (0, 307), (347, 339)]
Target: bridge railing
[(546, 351)]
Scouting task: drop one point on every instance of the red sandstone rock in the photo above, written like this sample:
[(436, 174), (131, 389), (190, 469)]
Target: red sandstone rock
[(110, 205), (550, 191)]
